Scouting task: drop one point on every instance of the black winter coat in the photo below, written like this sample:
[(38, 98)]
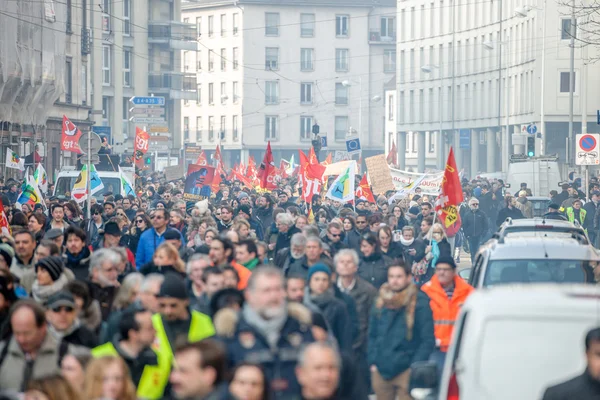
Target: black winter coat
[(283, 239), (336, 314), (352, 314), (419, 248), (82, 336), (373, 269), (394, 251), (506, 212), (474, 223), (582, 387), (80, 264), (105, 296), (352, 239)]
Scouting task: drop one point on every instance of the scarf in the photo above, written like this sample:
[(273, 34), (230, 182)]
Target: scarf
[(319, 300), (251, 264), (42, 293), (58, 335), (77, 259), (406, 242), (406, 298), (269, 328)]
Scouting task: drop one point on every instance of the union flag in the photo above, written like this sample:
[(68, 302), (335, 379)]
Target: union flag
[(450, 197)]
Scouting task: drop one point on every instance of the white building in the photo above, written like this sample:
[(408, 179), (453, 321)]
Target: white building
[(433, 33), (269, 72)]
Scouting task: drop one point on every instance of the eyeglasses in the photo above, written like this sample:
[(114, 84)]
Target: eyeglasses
[(63, 308), (475, 205), (139, 221), (335, 234)]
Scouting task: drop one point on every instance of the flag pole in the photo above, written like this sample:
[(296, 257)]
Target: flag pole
[(88, 177)]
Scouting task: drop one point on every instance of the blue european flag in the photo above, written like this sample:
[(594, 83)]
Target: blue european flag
[(353, 146)]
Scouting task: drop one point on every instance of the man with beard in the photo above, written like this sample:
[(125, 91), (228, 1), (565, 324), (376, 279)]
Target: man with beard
[(284, 201), (403, 309), (104, 283), (77, 254), (334, 238), (270, 330), (264, 213), (226, 221), (285, 225), (289, 256)]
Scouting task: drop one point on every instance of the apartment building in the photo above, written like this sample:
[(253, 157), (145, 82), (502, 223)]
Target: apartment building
[(269, 72), (483, 71)]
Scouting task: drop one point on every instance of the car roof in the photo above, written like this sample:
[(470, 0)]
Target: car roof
[(538, 221), (536, 299), (536, 245)]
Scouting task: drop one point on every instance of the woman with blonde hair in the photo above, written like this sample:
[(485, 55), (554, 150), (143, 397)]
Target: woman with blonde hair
[(166, 259), (51, 387), (108, 378), (242, 228)]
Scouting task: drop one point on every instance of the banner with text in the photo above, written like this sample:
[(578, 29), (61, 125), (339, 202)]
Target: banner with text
[(198, 181), (430, 184)]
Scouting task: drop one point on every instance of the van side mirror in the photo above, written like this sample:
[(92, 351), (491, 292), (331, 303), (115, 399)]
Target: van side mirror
[(423, 380), (465, 273)]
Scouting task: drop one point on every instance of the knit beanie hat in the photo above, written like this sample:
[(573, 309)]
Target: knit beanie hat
[(173, 286), (53, 264), (318, 267), (7, 252)]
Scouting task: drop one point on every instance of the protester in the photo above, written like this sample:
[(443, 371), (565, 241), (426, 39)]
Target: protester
[(107, 377)]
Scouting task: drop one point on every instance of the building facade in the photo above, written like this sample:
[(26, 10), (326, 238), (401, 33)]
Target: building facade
[(477, 70), (269, 72)]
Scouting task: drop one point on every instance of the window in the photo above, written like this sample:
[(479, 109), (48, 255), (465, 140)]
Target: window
[(235, 92), (388, 28), (235, 23), (306, 92), (127, 17), (68, 81), (211, 128), (125, 116), (271, 58), (199, 94), (106, 110), (211, 25), (271, 92), (106, 65), (223, 59), (198, 129), (84, 84), (186, 128), (235, 58), (389, 61), (307, 25), (234, 128), (223, 24), (341, 25), (341, 60), (199, 60), (127, 67), (391, 107), (198, 26), (271, 127), (223, 92), (565, 81), (341, 94), (69, 15), (341, 128), (271, 24), (222, 127), (211, 60), (305, 127), (565, 31), (105, 16), (211, 93), (306, 59)]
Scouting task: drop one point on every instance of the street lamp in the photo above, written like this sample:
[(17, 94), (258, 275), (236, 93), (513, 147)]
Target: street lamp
[(347, 83), (429, 69)]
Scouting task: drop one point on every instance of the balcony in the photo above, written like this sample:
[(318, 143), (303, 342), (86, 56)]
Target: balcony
[(177, 35), (378, 37), (176, 85)]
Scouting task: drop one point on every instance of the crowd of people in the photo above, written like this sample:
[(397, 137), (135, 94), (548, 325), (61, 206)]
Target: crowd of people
[(244, 295)]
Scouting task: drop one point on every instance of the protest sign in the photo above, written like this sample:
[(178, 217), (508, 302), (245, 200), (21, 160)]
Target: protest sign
[(198, 181), (173, 173), (379, 174), (430, 184)]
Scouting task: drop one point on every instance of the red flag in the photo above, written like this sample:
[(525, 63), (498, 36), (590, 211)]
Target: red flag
[(450, 197), (4, 225), (311, 175), (69, 140), (217, 156), (312, 157), (202, 159), (217, 178), (251, 171), (232, 172), (140, 146), (282, 167), (328, 160), (245, 181), (392, 157), (363, 191), (266, 170)]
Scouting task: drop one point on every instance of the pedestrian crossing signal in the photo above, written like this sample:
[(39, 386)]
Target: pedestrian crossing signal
[(148, 160), (530, 146)]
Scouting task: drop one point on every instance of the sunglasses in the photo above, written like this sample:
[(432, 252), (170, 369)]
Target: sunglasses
[(139, 221), (335, 234), (63, 308), (97, 213)]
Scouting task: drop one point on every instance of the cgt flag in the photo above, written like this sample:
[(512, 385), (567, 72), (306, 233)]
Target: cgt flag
[(363, 191), (69, 140), (140, 146), (202, 160), (450, 197), (266, 171)]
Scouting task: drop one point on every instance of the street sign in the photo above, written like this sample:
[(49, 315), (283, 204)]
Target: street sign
[(147, 120), (532, 129), (587, 149), (353, 146), (464, 139), (159, 138), (323, 142), (148, 100), (95, 142), (158, 128), (159, 147)]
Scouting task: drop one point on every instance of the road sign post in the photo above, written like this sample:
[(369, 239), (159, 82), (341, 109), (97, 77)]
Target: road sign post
[(587, 149)]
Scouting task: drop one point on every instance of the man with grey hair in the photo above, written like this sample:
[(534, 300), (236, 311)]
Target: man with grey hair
[(288, 256), (318, 371), (269, 330), (149, 290), (104, 283), (313, 254), (195, 268), (285, 224)]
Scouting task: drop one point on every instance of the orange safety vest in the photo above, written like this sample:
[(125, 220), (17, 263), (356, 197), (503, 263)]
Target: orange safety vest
[(445, 310), (244, 274)]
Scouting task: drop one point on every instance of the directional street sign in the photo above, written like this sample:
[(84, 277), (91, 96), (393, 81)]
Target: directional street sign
[(148, 100), (147, 120), (158, 128), (587, 149), (532, 129)]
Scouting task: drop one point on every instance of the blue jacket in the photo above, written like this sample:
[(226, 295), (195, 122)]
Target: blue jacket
[(389, 346), (148, 243), (245, 343)]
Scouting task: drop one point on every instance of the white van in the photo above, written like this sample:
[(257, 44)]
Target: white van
[(111, 180), (513, 342)]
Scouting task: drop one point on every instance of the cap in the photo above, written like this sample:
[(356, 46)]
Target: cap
[(173, 286), (112, 228), (242, 195), (53, 234), (554, 206), (245, 208), (318, 267), (62, 298), (53, 264), (7, 252), (172, 234), (118, 196), (446, 260)]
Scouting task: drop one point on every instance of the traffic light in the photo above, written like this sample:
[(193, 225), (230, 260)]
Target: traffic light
[(148, 160), (530, 146)]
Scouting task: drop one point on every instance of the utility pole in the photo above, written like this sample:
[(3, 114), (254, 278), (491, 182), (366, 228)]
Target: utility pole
[(570, 155)]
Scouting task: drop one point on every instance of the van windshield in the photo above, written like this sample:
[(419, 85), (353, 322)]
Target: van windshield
[(502, 272), (65, 184)]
